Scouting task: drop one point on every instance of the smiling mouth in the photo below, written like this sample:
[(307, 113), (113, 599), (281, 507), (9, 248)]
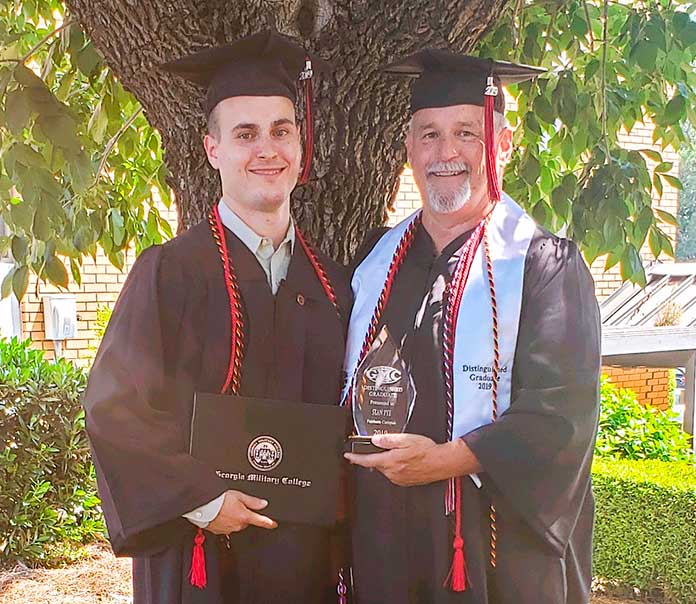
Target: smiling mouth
[(447, 173), (267, 171)]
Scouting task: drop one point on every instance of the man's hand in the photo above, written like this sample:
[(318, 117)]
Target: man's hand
[(239, 511), (412, 459)]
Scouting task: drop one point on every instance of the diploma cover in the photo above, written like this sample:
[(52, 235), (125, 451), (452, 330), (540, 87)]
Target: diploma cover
[(287, 453)]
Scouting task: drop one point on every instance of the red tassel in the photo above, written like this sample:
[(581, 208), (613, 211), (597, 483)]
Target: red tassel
[(489, 139), (458, 570), (197, 576), (309, 125), (457, 574)]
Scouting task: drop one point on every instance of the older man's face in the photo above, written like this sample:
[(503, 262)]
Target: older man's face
[(447, 154)]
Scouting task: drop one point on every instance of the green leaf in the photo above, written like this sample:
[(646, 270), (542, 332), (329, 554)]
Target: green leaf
[(88, 60), (663, 167), (117, 227), (20, 248), (22, 215), (645, 54), (652, 154), (75, 271), (80, 170), (675, 110), (543, 110), (20, 281), (42, 226), (674, 181), (17, 111), (530, 169), (667, 217), (591, 69), (61, 131), (26, 77), (56, 272), (654, 243), (6, 288)]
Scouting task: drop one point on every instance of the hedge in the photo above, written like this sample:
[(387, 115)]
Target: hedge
[(645, 527)]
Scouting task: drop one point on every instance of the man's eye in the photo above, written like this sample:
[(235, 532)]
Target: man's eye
[(282, 132), (466, 134), (430, 135), (245, 136)]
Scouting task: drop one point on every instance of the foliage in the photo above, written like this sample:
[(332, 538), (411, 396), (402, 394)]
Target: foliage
[(102, 321), (645, 527), (630, 430), (48, 493), (686, 239), (611, 65), (81, 167)]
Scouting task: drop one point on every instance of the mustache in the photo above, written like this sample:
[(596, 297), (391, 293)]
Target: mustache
[(447, 167)]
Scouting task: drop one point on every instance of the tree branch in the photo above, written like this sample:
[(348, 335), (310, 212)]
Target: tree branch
[(45, 39), (114, 139), (589, 25), (605, 43)]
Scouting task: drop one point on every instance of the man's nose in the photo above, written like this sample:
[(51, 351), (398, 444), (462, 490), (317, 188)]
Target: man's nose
[(448, 148), (266, 148)]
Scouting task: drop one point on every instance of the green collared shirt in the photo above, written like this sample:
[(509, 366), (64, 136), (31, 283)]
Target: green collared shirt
[(274, 262)]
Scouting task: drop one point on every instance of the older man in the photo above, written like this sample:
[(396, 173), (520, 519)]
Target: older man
[(237, 304), (486, 498)]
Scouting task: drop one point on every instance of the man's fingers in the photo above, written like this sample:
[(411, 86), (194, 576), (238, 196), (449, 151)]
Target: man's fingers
[(393, 441), (261, 521), (370, 460), (251, 502)]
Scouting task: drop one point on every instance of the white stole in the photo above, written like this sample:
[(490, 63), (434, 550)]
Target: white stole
[(510, 232)]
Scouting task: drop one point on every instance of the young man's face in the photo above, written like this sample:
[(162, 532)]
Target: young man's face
[(447, 154), (255, 146)]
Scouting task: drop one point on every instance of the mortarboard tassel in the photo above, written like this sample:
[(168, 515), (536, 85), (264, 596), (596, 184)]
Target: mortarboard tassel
[(489, 139), (306, 76), (197, 576), (457, 573)]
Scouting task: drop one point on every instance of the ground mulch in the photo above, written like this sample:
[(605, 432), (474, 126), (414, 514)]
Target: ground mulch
[(99, 578)]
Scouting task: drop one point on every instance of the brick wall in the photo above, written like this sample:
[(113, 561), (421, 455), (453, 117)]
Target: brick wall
[(651, 385), (101, 285)]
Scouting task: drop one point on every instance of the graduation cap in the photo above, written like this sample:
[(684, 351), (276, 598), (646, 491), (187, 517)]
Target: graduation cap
[(262, 64), (444, 79)]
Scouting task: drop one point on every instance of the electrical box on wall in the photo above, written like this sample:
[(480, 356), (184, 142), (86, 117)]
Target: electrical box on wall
[(60, 316)]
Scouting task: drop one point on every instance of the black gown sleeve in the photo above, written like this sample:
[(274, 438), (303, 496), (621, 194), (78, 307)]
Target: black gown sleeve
[(138, 406), (538, 454), (371, 239)]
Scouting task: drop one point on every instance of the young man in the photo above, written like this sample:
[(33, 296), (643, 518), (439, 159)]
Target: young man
[(486, 499), (237, 304)]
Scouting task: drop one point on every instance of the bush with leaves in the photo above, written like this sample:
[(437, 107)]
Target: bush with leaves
[(645, 528), (630, 430), (80, 166), (48, 497)]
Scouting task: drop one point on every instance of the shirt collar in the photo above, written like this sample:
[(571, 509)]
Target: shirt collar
[(247, 235)]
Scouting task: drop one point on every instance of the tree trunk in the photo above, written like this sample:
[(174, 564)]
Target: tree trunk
[(360, 114)]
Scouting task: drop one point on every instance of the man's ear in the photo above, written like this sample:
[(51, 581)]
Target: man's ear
[(210, 143), (505, 146)]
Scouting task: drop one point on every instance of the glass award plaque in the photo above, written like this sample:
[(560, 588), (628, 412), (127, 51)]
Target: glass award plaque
[(383, 394)]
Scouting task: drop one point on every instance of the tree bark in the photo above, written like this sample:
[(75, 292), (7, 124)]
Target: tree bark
[(360, 115)]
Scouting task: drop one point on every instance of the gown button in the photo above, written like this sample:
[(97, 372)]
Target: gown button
[(300, 299)]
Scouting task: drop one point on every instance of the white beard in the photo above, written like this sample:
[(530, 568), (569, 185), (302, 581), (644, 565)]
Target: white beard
[(446, 203)]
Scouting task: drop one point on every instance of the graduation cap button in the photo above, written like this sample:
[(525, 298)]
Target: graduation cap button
[(300, 299)]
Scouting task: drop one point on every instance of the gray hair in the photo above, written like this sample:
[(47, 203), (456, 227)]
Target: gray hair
[(500, 122)]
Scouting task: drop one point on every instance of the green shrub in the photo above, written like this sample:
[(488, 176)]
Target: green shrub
[(630, 430), (645, 527), (48, 493)]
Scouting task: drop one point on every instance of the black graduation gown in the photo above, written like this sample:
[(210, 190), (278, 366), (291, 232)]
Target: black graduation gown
[(169, 337), (536, 457)]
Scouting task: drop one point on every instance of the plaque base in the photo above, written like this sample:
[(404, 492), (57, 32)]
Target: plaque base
[(363, 445)]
